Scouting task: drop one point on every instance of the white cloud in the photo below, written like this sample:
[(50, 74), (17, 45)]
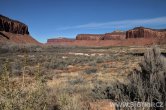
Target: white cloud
[(119, 24)]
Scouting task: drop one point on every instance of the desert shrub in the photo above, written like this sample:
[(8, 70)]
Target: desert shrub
[(99, 91), (23, 94), (29, 48), (57, 64), (68, 102), (92, 63), (32, 60), (90, 71), (21, 99), (106, 66), (3, 49), (71, 97), (14, 47), (16, 67), (100, 60), (147, 84), (77, 80)]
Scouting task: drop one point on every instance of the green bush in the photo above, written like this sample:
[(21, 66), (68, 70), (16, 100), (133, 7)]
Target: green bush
[(147, 84)]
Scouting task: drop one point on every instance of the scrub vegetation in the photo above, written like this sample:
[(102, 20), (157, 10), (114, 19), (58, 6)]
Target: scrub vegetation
[(80, 78)]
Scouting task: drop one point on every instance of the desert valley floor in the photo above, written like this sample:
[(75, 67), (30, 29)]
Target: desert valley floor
[(75, 77)]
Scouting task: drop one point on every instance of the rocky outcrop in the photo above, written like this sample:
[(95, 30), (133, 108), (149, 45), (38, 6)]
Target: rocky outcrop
[(137, 36), (12, 26), (141, 32), (116, 35), (89, 37), (17, 38), (14, 31), (138, 32), (57, 40)]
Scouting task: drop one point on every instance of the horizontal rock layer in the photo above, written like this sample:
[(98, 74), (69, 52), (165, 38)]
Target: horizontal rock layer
[(14, 31), (13, 26), (107, 36), (141, 32), (89, 37), (115, 36), (56, 40), (136, 36)]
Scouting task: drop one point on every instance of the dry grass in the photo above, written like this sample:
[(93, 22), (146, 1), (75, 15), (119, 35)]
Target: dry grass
[(23, 93), (53, 78)]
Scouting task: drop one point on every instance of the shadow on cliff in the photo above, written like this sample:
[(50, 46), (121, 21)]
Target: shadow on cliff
[(4, 35)]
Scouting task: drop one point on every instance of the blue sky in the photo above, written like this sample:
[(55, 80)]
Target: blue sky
[(67, 18)]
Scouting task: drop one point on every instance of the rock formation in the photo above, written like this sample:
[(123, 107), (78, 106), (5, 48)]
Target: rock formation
[(138, 32), (89, 37), (116, 35), (136, 36), (57, 40), (141, 32), (14, 31), (13, 26)]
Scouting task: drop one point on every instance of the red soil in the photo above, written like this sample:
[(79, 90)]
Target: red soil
[(17, 38), (126, 42)]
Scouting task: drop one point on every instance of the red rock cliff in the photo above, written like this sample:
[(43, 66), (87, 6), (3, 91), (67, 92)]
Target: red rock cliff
[(89, 37), (14, 31), (141, 32), (13, 26), (116, 35), (56, 40), (137, 36)]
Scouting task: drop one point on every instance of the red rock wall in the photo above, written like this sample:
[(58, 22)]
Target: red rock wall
[(15, 31), (107, 36), (89, 37), (142, 32), (59, 40), (137, 36), (115, 36), (13, 26)]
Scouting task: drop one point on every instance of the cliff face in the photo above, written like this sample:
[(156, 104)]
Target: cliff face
[(115, 36), (56, 40), (13, 26), (108, 36), (141, 32), (14, 31), (89, 37), (136, 36)]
